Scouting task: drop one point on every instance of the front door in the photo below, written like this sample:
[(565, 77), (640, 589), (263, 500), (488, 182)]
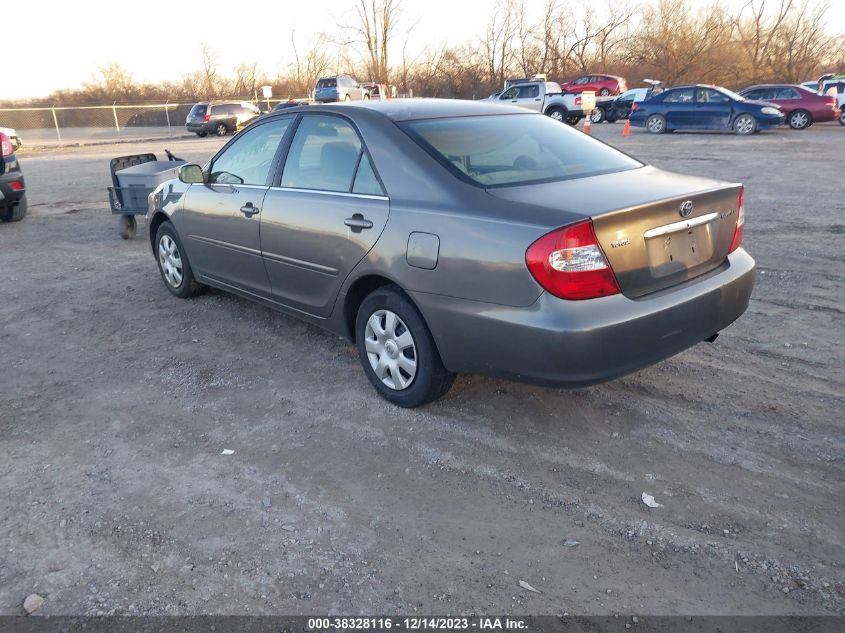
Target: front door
[(324, 217), (712, 109), (220, 220)]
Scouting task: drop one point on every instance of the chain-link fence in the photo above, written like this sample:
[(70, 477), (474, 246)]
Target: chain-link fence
[(90, 124)]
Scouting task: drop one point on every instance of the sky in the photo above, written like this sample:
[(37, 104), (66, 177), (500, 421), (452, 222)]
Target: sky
[(60, 44)]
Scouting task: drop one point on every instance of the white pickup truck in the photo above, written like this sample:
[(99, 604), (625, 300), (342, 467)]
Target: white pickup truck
[(545, 97)]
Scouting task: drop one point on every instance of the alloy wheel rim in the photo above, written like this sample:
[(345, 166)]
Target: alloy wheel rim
[(557, 116), (595, 117), (391, 349), (221, 130), (745, 125), (655, 125), (170, 261), (799, 119)]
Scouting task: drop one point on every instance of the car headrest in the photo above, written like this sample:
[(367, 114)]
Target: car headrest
[(338, 156)]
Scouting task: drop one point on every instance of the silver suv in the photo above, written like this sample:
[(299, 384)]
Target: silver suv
[(340, 88)]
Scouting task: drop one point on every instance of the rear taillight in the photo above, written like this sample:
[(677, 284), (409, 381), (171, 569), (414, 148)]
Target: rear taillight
[(569, 264), (16, 185), (206, 118), (578, 100), (6, 147), (740, 222)]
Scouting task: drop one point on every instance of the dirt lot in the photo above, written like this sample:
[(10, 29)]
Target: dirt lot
[(116, 400)]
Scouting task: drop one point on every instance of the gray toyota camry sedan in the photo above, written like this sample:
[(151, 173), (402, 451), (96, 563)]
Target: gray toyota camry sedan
[(446, 237)]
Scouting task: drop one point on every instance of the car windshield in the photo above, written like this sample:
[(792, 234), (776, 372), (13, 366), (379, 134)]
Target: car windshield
[(509, 150), (731, 94), (327, 83)]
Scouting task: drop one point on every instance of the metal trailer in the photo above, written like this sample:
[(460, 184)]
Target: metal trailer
[(133, 178)]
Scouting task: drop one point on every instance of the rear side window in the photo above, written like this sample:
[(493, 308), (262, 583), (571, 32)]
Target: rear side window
[(199, 109), (684, 95), (786, 93), (502, 150), (756, 93), (325, 156)]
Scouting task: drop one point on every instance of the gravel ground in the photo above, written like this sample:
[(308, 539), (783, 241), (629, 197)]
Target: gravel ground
[(117, 399)]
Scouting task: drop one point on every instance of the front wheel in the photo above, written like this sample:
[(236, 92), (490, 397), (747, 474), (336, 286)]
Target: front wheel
[(397, 350), (222, 129), (800, 119), (656, 124), (604, 92), (173, 263), (745, 124), (842, 116), (597, 115)]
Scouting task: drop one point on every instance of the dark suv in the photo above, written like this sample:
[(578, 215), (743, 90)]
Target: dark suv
[(12, 188), (220, 117)]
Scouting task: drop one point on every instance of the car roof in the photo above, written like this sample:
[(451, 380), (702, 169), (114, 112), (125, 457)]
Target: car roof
[(414, 109)]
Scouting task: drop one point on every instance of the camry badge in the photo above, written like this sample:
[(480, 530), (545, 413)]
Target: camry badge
[(686, 209)]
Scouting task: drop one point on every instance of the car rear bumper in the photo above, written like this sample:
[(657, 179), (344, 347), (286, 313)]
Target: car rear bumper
[(576, 343), (12, 188), (198, 127)]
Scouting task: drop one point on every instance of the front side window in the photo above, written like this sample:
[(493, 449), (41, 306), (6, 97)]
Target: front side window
[(756, 93), (249, 159), (708, 95), (510, 93), (501, 150), (684, 95), (324, 155)]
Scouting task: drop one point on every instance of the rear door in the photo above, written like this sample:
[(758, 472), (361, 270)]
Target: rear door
[(323, 216), (712, 109), (220, 220), (680, 108)]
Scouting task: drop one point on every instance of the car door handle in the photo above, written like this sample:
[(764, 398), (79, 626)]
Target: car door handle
[(249, 209), (358, 222)]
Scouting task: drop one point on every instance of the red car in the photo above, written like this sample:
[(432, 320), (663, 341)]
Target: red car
[(802, 107), (603, 85)]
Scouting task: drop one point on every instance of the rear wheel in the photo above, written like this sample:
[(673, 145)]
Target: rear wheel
[(572, 120), (656, 124), (842, 116), (397, 350), (604, 92), (14, 212), (745, 124), (558, 114), (800, 119), (202, 134), (173, 263), (597, 115)]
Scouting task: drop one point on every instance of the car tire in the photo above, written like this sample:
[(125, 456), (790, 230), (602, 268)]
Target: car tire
[(656, 124), (800, 119), (597, 115), (202, 134), (604, 92), (127, 226), (556, 113), (745, 124), (15, 212), (389, 328), (842, 117), (572, 120), (221, 129), (184, 286)]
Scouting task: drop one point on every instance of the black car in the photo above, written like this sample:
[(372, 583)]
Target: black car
[(284, 105), (12, 187), (220, 117)]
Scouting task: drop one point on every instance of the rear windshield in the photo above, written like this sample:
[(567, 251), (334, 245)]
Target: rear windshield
[(198, 110), (508, 150), (327, 83)]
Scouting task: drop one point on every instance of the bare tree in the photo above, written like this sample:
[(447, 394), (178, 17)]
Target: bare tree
[(309, 66), (376, 24), (209, 71)]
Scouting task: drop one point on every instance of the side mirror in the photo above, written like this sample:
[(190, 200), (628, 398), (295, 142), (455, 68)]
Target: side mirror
[(191, 173)]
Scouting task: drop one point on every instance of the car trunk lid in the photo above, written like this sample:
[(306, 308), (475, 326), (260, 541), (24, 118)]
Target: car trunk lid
[(656, 229)]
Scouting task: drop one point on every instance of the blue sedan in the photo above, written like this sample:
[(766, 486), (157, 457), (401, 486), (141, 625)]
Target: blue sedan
[(704, 108)]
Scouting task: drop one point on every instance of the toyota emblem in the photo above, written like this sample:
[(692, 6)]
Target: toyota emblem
[(686, 209)]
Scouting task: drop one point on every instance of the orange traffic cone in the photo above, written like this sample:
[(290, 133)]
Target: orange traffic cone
[(626, 131), (588, 126)]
